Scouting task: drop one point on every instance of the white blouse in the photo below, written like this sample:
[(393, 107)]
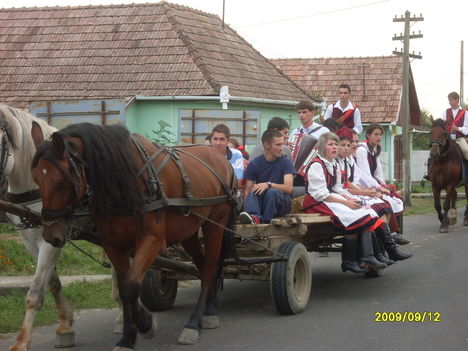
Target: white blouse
[(317, 187), (362, 162)]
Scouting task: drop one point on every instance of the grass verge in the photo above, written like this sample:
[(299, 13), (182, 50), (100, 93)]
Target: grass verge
[(426, 206), (15, 260), (82, 295)]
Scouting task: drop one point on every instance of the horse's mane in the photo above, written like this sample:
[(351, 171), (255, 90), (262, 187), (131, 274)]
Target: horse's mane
[(22, 144), (110, 172), (439, 123)]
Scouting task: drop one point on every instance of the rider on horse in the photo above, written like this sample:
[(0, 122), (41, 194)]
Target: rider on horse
[(456, 121)]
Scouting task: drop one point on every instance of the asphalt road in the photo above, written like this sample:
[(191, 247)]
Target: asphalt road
[(340, 315)]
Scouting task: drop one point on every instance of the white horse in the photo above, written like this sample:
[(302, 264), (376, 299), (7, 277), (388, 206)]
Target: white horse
[(24, 133)]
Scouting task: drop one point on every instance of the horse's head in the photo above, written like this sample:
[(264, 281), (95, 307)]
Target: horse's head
[(438, 137), (58, 170)]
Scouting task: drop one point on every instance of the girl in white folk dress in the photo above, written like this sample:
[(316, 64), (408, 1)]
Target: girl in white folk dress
[(350, 175), (371, 175), (326, 195)]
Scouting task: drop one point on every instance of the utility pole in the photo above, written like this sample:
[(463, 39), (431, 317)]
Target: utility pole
[(224, 7), (405, 109), (462, 102)]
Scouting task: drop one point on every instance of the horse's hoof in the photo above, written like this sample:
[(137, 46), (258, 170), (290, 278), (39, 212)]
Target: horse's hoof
[(18, 347), (154, 326), (118, 326), (121, 348), (188, 336), (64, 340), (210, 322)]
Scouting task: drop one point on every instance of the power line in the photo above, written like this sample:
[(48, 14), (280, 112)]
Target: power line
[(314, 14)]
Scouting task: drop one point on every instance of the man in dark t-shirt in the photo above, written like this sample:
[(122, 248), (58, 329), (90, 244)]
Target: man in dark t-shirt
[(269, 182)]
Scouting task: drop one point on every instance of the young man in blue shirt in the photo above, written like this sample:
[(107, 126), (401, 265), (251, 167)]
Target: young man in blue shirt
[(219, 140), (269, 182)]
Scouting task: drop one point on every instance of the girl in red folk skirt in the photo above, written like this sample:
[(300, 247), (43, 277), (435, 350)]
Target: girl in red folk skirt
[(350, 175), (326, 195)]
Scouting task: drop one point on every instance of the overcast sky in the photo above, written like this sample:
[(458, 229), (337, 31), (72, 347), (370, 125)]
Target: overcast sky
[(339, 28)]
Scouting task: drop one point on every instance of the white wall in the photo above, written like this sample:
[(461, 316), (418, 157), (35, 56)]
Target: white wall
[(418, 164)]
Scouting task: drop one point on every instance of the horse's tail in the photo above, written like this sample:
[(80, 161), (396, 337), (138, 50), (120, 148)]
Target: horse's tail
[(228, 248)]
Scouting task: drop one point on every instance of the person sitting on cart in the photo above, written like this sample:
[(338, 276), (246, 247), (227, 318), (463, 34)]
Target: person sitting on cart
[(392, 220), (350, 179), (219, 140), (370, 165), (281, 126), (269, 182), (325, 195)]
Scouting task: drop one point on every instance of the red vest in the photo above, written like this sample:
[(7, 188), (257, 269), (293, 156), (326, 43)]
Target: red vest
[(450, 120), (347, 116), (372, 160), (330, 179)]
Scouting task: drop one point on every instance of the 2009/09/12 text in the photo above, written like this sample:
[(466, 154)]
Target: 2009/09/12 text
[(411, 317)]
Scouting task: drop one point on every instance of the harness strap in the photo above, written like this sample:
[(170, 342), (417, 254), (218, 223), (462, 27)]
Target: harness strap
[(185, 177), (51, 213), (161, 200), (26, 198), (152, 205), (223, 183)]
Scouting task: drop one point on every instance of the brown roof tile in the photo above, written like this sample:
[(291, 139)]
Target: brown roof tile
[(59, 53), (375, 82)]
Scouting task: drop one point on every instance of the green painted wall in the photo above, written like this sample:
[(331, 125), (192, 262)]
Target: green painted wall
[(141, 116)]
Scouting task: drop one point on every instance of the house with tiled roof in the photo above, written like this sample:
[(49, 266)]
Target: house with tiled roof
[(376, 88), (159, 61)]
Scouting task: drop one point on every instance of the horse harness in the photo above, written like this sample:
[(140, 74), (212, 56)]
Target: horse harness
[(442, 144), (156, 197)]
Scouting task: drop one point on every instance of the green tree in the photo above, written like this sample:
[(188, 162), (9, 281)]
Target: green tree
[(163, 135), (426, 117), (421, 140)]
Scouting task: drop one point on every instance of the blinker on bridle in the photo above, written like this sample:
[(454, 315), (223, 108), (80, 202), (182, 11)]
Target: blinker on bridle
[(77, 166)]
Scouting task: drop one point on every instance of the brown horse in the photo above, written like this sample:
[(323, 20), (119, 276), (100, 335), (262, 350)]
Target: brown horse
[(445, 173), (144, 198)]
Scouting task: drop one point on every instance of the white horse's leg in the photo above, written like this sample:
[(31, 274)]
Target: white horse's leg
[(118, 326), (65, 335), (47, 257)]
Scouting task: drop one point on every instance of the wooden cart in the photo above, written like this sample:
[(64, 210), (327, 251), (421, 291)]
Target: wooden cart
[(276, 252)]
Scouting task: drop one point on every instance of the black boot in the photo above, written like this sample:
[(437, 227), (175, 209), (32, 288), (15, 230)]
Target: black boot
[(429, 164), (378, 251), (367, 253), (349, 255), (383, 233)]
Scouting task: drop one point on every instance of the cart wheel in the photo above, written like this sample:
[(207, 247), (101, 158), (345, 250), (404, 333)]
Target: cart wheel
[(157, 291), (291, 281)]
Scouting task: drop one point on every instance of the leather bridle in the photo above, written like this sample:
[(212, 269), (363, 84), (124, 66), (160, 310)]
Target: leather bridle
[(442, 144), (77, 170)]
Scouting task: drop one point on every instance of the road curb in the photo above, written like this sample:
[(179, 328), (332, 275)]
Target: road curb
[(23, 283)]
